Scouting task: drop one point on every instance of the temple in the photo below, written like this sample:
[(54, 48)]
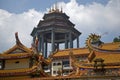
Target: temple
[(97, 58), (55, 28), (20, 62), (95, 61)]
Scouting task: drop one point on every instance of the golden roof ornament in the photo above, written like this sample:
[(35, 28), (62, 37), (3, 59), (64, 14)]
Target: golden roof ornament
[(55, 8), (61, 9)]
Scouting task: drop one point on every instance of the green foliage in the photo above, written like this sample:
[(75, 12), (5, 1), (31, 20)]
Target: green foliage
[(116, 39)]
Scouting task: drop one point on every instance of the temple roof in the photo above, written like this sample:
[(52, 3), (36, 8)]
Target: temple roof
[(85, 51), (109, 52), (17, 72), (17, 51), (76, 51), (15, 56), (18, 48), (111, 46), (108, 57)]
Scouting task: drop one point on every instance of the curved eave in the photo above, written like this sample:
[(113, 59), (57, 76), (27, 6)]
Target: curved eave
[(76, 52), (76, 31), (104, 50), (18, 46), (15, 56), (33, 31), (92, 66), (106, 67), (60, 56), (18, 72), (100, 49), (45, 61)]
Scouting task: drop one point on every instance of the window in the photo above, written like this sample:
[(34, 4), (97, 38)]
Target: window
[(0, 64), (66, 72), (54, 72), (45, 68), (58, 63), (17, 62), (66, 65), (54, 64), (66, 62)]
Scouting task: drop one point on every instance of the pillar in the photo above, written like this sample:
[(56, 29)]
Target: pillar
[(66, 41), (34, 39), (78, 42), (45, 49), (70, 40), (53, 40), (57, 46), (42, 44), (39, 44)]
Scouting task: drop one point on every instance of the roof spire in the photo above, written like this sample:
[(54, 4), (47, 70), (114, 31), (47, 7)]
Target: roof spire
[(61, 9), (55, 8), (50, 10)]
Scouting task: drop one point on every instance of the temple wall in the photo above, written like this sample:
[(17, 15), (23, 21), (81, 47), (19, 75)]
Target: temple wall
[(56, 65), (17, 63)]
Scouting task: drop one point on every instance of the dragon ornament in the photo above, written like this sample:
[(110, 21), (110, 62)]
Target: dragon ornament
[(93, 39)]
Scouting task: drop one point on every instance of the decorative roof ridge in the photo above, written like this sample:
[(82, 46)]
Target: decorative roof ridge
[(7, 51), (72, 49), (17, 72), (111, 43), (105, 50), (91, 56), (17, 45), (15, 56), (96, 38), (17, 39)]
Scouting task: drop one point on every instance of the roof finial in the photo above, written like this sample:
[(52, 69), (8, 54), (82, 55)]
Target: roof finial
[(17, 39), (61, 9), (55, 8), (50, 10)]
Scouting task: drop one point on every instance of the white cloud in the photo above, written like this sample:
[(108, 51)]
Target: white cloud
[(90, 18), (95, 18), (22, 23)]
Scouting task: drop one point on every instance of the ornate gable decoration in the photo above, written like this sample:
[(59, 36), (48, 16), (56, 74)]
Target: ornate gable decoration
[(17, 51), (18, 48)]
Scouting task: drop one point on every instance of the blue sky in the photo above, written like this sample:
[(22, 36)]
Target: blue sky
[(89, 16), (19, 6)]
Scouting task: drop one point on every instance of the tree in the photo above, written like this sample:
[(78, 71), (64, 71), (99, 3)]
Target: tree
[(116, 39)]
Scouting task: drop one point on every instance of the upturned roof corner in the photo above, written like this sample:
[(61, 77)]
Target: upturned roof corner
[(17, 38)]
